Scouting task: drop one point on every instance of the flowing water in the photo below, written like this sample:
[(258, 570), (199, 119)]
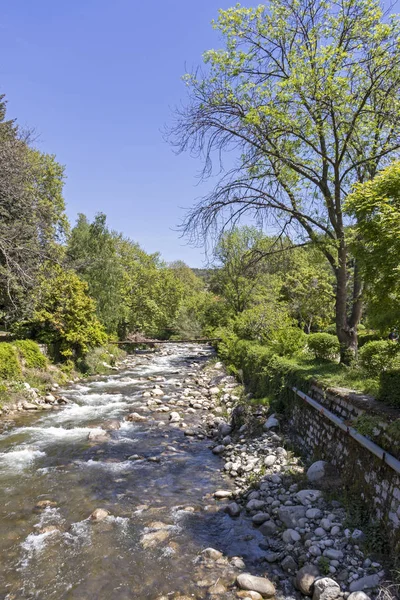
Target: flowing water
[(169, 489)]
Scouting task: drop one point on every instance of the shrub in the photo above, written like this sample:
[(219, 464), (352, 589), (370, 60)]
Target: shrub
[(389, 391), (331, 329), (378, 356), (287, 341), (324, 346), (9, 364), (30, 354), (365, 338)]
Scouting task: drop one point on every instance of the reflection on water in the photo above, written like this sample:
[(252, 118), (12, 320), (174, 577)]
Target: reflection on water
[(161, 515)]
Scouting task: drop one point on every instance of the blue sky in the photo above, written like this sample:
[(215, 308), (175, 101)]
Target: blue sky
[(97, 80)]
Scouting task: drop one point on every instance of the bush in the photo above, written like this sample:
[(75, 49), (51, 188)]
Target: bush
[(365, 338), (389, 391), (30, 354), (324, 346), (287, 341), (9, 364), (378, 356)]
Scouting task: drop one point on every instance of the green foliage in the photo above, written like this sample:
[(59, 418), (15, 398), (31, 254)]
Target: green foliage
[(324, 564), (365, 338), (390, 387), (287, 341), (33, 220), (324, 346), (261, 321), (65, 315), (10, 368), (30, 354), (368, 425), (379, 356)]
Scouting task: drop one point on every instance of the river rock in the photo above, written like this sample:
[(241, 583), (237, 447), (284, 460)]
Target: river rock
[(307, 497), (224, 429), (154, 538), (262, 585), (99, 514), (326, 589), (220, 494), (135, 417), (365, 583), (174, 417), (317, 471), (291, 535), (98, 436), (290, 515), (358, 596), (270, 460), (233, 509), (305, 578), (42, 504), (289, 564), (260, 518), (249, 595), (271, 423), (219, 449), (212, 553)]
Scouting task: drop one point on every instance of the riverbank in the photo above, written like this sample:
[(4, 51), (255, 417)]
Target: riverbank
[(141, 488)]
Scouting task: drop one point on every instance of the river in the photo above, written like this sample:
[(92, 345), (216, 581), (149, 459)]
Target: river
[(156, 483)]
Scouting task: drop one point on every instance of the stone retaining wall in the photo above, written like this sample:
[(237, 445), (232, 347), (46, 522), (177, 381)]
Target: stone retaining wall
[(360, 470)]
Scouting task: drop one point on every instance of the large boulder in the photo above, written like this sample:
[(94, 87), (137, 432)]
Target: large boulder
[(305, 578), (326, 589), (317, 471), (365, 583), (262, 585)]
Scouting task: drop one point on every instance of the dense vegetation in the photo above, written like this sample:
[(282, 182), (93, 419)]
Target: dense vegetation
[(306, 96)]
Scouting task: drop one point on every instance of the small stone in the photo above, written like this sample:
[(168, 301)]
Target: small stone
[(308, 496), (333, 554), (212, 553), (289, 564), (326, 589), (313, 513), (268, 528), (291, 535), (305, 578), (174, 417), (358, 596), (262, 585), (290, 515), (221, 494), (271, 423), (42, 504), (270, 460), (135, 417), (99, 514), (260, 518), (219, 449), (233, 509)]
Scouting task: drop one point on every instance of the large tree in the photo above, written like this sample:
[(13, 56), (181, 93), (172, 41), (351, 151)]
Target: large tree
[(305, 93), (32, 218), (376, 206)]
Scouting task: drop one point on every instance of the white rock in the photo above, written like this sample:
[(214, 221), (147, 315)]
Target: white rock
[(270, 460), (308, 496), (262, 585), (317, 471), (174, 417), (358, 596), (270, 423), (326, 589)]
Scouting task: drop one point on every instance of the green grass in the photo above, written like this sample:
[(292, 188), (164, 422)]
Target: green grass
[(333, 374)]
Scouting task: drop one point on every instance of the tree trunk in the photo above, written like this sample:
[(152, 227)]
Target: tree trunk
[(346, 328)]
